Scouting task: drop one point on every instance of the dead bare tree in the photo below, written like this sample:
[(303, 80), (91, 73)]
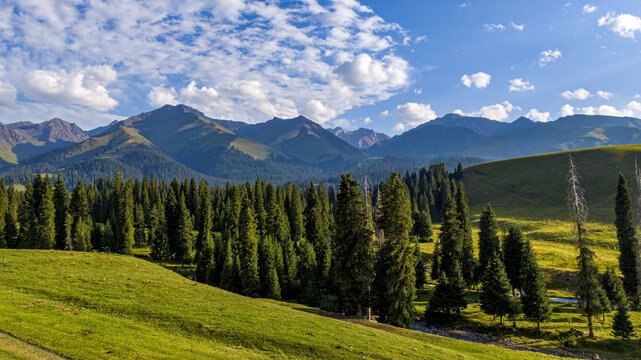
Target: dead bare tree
[(588, 286)]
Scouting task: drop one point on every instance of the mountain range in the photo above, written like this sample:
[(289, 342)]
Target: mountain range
[(181, 141)]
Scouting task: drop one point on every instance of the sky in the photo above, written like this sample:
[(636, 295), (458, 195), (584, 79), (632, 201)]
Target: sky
[(385, 65)]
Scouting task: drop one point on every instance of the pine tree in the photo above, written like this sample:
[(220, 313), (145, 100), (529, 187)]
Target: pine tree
[(622, 326), (353, 247), (44, 213), (628, 243), (81, 227), (140, 228), (534, 298), (317, 231), (495, 294), (26, 238), (449, 296), (4, 208), (422, 225), (270, 286), (450, 239), (395, 279), (11, 229), (61, 203), (307, 274), (467, 261), (122, 217), (206, 265), (295, 213), (513, 246), (248, 250), (205, 222), (613, 287), (184, 241), (421, 274), (489, 243), (604, 302)]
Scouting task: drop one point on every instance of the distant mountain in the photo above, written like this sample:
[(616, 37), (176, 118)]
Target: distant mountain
[(361, 138), (171, 139), (304, 140), (23, 139), (427, 140), (101, 129), (230, 125)]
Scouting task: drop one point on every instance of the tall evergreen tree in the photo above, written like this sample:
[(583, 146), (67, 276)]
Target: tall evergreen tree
[(204, 216), (140, 227), (307, 274), (422, 225), (588, 287), (395, 279), (449, 296), (248, 250), (628, 242), (4, 208), (622, 326), (495, 294), (353, 247), (11, 229), (61, 203), (269, 283), (421, 274), (450, 239), (534, 297), (184, 241), (489, 242), (44, 211), (513, 247), (613, 287), (122, 216), (467, 261), (317, 231), (160, 249)]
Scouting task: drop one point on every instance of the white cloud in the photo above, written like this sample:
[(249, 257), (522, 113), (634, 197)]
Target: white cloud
[(536, 115), (384, 113), (418, 91), (479, 80), (492, 27), (412, 114), (517, 27), (549, 56), (317, 111), (84, 86), (499, 112), (589, 8), (632, 109), (605, 95), (567, 110), (8, 94), (293, 51), (160, 95), (389, 73), (206, 99), (578, 94), (626, 25), (367, 120), (519, 84)]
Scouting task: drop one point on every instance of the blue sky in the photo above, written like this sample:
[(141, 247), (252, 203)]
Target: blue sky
[(386, 65)]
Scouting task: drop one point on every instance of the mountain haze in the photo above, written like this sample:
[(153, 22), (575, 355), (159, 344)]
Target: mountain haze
[(361, 138)]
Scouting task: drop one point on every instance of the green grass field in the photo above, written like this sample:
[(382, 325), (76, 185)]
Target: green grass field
[(534, 187), (103, 306)]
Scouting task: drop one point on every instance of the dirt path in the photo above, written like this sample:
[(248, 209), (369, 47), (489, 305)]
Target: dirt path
[(21, 349)]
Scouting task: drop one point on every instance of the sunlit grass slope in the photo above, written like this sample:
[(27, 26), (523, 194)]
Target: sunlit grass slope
[(97, 306), (534, 187)]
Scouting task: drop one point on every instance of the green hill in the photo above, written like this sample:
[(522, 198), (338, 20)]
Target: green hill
[(102, 306), (534, 187)]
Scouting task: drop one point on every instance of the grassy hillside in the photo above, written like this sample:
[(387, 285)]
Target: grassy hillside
[(534, 187), (101, 306)]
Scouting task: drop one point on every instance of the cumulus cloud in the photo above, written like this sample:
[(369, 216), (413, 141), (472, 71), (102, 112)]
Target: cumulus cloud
[(537, 115), (412, 114), (492, 27), (625, 25), (160, 95), (567, 110), (390, 72), (206, 99), (519, 84), (517, 27), (578, 94), (86, 86), (549, 56), (499, 112), (258, 56), (479, 80), (317, 111), (8, 94), (631, 109), (589, 8), (367, 120), (605, 95)]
